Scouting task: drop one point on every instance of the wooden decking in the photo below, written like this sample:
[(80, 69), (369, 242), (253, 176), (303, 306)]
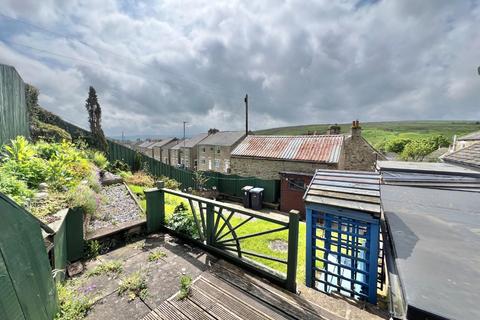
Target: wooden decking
[(227, 293)]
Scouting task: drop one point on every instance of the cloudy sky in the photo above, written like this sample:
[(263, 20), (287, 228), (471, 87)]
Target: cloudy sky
[(155, 64)]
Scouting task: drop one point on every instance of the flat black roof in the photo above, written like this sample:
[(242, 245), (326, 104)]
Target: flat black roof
[(436, 247)]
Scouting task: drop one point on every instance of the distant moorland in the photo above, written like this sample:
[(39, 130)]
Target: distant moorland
[(379, 132)]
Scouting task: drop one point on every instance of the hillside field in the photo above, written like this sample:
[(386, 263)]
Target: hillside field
[(378, 132)]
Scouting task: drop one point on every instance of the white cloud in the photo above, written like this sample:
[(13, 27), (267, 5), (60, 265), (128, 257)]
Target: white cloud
[(157, 64)]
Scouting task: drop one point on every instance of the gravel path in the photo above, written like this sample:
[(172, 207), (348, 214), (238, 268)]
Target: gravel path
[(117, 206)]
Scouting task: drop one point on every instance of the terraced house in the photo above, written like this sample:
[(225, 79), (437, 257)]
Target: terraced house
[(266, 156), (214, 151), (185, 153)]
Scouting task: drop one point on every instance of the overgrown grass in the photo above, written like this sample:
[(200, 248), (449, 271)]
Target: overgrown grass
[(156, 255), (171, 201), (134, 285), (114, 268), (73, 304)]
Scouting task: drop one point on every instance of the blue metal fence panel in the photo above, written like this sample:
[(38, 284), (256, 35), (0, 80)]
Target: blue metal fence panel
[(342, 253)]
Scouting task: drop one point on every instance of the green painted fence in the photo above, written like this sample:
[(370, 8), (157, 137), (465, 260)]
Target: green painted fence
[(13, 107), (227, 184), (27, 289)]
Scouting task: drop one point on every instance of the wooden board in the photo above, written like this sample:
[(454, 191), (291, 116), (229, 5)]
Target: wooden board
[(345, 196), (354, 205)]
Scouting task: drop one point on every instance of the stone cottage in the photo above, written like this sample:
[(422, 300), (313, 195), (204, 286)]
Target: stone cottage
[(214, 151), (184, 154), (161, 150), (265, 156)]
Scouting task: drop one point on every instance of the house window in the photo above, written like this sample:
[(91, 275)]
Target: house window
[(211, 149), (296, 185), (203, 149), (218, 150), (203, 161), (217, 163)]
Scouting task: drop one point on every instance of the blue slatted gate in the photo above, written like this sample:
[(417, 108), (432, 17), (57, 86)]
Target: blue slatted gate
[(343, 234), (342, 252)]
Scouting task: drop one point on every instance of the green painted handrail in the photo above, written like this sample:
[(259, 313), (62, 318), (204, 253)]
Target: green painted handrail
[(213, 229)]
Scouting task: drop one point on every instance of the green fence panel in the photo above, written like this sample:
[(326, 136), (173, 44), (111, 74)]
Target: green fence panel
[(74, 234), (13, 107), (10, 307), (26, 261), (225, 183), (60, 252)]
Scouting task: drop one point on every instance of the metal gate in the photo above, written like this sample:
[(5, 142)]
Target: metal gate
[(343, 254)]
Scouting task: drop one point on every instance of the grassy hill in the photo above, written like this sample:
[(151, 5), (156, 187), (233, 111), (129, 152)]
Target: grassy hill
[(378, 132)]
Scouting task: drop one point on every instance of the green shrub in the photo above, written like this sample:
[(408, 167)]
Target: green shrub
[(125, 175), (100, 160), (19, 149), (48, 132), (16, 189), (118, 166), (93, 182), (137, 162), (170, 183), (397, 145), (182, 221), (93, 249), (134, 285), (85, 198), (417, 150), (73, 305), (185, 287)]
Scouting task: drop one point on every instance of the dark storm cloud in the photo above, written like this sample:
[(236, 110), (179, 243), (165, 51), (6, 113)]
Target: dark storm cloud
[(155, 65)]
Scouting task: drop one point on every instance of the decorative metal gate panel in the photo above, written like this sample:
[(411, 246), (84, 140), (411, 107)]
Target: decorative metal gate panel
[(343, 254)]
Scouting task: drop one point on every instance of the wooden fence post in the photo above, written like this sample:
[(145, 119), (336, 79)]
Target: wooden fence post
[(291, 284), (155, 207)]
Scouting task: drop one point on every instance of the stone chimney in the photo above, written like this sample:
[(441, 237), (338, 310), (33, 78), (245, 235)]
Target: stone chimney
[(335, 129), (356, 129)]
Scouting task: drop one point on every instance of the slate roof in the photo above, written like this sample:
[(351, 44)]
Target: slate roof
[(318, 148), (145, 144), (355, 190), (471, 136), (223, 138), (192, 142), (469, 156), (160, 143)]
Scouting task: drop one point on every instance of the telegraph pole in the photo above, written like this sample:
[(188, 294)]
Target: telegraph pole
[(246, 114)]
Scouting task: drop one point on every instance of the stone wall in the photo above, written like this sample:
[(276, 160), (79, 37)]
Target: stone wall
[(214, 158), (269, 169), (358, 154)]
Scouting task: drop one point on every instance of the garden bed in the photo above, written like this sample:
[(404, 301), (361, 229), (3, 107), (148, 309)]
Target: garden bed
[(116, 207)]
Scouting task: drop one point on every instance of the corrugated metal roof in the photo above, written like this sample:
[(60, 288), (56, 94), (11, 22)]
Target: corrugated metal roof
[(223, 138), (345, 189), (321, 148)]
